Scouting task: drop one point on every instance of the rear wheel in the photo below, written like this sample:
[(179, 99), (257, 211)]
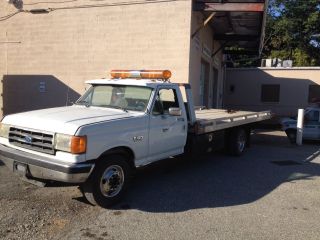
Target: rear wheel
[(237, 141), (292, 135), (108, 181)]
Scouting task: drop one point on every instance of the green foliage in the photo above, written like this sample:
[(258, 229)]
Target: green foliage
[(291, 29)]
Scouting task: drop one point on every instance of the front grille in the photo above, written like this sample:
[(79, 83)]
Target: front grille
[(37, 141)]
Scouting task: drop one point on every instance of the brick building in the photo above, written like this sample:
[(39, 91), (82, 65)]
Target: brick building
[(48, 49)]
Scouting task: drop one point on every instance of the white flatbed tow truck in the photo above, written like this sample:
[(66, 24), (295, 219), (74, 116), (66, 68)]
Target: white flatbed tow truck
[(119, 124)]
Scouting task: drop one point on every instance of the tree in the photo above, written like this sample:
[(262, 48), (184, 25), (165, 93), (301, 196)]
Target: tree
[(293, 31)]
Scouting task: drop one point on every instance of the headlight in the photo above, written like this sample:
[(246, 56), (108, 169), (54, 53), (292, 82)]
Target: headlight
[(72, 144), (4, 130)]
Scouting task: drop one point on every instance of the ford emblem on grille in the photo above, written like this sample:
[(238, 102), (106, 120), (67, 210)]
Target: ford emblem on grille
[(28, 139)]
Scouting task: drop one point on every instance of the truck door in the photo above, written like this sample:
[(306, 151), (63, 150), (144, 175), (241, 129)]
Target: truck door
[(311, 129), (167, 133)]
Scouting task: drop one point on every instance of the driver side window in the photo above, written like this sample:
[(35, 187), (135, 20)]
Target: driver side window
[(312, 116), (165, 99)]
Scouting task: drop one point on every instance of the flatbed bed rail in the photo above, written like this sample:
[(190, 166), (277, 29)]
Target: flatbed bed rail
[(213, 120)]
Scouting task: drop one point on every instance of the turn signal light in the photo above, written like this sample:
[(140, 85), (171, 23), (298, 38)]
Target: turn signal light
[(78, 144), (150, 74)]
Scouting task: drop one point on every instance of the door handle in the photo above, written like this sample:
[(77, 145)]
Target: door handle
[(165, 129), (180, 119)]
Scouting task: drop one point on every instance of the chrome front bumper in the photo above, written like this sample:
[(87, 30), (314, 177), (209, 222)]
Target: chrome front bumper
[(33, 166)]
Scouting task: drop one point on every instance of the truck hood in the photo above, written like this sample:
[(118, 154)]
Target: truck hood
[(65, 120)]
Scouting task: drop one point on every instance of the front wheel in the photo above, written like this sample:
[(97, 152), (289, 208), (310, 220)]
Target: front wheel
[(108, 181)]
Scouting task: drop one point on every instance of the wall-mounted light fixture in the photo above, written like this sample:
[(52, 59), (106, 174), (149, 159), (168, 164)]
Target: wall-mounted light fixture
[(39, 11)]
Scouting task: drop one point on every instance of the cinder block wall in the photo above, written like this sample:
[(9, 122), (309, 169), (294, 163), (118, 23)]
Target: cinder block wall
[(63, 48), (294, 88)]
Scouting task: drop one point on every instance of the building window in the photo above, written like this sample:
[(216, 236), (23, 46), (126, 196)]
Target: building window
[(204, 83), (312, 116), (270, 93), (314, 93)]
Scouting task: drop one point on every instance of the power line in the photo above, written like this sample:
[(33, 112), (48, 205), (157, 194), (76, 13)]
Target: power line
[(3, 18), (67, 1), (30, 4), (115, 4), (48, 10)]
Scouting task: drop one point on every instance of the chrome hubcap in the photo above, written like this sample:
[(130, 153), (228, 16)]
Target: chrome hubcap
[(112, 181)]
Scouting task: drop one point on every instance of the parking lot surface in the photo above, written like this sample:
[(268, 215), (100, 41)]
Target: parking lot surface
[(271, 192)]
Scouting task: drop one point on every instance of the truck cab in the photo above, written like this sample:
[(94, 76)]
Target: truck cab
[(130, 122)]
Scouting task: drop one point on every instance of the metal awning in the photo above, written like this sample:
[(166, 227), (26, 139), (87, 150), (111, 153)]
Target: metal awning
[(238, 24)]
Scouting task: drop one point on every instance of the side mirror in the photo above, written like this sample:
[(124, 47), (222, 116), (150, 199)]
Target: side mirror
[(175, 111)]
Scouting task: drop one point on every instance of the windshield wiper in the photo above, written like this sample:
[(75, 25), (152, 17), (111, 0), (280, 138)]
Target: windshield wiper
[(83, 102), (116, 107)]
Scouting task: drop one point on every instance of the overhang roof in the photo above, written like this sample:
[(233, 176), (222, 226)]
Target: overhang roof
[(238, 24)]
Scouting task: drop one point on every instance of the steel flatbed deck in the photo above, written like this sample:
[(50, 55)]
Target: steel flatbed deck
[(210, 120), (202, 121)]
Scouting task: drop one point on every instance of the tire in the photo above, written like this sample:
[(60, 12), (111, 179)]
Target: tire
[(108, 181), (237, 142), (292, 135)]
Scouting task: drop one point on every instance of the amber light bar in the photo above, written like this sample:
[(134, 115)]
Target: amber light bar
[(150, 74)]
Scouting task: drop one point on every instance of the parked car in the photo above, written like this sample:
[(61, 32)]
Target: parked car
[(311, 127)]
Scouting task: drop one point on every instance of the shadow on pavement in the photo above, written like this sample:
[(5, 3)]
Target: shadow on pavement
[(216, 180), (1, 163)]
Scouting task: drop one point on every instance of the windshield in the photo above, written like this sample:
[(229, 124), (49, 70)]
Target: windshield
[(134, 98)]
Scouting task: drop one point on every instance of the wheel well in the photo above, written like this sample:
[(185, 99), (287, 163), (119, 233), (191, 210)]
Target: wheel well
[(246, 128), (231, 131), (125, 151)]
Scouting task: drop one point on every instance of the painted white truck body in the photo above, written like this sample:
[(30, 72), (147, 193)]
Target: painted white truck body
[(146, 136)]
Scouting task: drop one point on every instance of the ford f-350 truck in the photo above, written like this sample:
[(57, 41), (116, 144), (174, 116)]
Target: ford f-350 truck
[(119, 124)]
